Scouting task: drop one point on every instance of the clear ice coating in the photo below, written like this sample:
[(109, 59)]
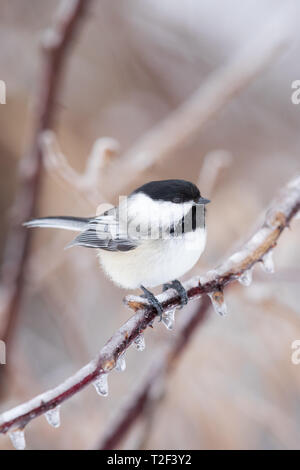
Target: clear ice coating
[(101, 385), (268, 263), (17, 438), (218, 302), (139, 342), (53, 417), (168, 319), (121, 363), (246, 277)]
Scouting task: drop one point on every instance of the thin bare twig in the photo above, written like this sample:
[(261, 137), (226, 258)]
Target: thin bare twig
[(256, 249), (55, 45)]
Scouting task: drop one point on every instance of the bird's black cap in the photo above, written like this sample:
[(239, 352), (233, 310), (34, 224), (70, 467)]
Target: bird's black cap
[(177, 191)]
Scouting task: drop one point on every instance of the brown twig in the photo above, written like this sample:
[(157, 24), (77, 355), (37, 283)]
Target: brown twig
[(256, 249), (55, 44)]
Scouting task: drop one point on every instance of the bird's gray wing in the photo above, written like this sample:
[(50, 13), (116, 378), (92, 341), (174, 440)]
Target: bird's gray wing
[(104, 232)]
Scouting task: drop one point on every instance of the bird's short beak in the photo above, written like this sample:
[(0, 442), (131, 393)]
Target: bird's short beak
[(202, 200)]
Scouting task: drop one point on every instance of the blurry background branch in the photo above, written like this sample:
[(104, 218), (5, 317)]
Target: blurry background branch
[(84, 188), (86, 184), (237, 267), (179, 127), (55, 45)]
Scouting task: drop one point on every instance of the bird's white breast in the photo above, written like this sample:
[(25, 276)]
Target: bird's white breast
[(154, 262)]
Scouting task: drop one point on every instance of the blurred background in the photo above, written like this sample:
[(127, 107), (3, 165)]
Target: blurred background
[(132, 64)]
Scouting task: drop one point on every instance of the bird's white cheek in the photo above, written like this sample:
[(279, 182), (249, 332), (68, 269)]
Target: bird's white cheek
[(143, 210)]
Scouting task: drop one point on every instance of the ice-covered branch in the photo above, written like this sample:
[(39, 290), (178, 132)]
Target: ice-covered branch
[(149, 389), (95, 372), (236, 267), (55, 44)]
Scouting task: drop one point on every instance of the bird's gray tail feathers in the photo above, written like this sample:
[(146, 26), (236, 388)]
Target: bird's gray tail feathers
[(76, 224)]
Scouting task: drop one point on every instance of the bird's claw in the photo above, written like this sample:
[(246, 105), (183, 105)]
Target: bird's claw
[(176, 285), (153, 301)]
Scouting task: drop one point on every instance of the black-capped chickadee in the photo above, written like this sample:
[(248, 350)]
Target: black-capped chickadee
[(152, 237)]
